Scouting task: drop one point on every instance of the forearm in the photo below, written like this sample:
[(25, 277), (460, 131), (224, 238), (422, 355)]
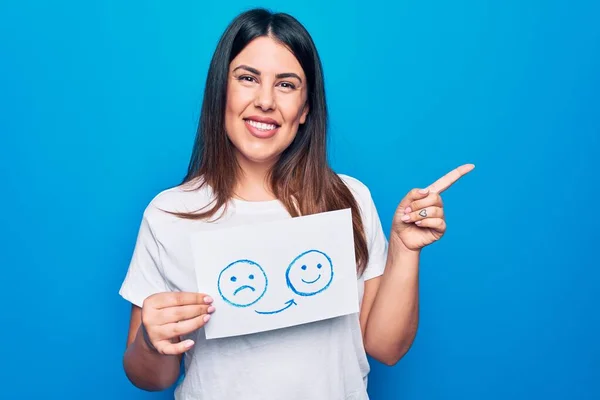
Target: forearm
[(393, 319), (147, 369)]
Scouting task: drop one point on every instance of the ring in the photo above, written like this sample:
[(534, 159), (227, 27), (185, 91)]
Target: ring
[(423, 213)]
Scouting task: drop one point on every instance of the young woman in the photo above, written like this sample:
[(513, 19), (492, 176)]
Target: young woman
[(260, 155)]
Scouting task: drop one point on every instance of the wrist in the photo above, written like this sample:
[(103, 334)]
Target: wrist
[(397, 247), (401, 259)]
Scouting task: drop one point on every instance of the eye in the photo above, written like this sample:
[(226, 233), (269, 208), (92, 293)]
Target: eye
[(319, 266), (287, 85), (233, 279), (303, 267), (251, 276), (246, 78)]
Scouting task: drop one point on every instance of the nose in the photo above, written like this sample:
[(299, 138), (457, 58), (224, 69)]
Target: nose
[(265, 100)]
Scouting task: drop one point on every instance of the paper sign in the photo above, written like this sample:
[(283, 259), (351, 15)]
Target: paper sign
[(277, 274)]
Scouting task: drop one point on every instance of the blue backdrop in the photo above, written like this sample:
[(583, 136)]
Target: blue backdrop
[(98, 109)]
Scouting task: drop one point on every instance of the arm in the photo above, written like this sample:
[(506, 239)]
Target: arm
[(391, 319), (391, 316), (152, 361), (144, 367), (159, 318)]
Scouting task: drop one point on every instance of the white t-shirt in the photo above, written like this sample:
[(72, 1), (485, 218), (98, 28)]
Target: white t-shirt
[(323, 360)]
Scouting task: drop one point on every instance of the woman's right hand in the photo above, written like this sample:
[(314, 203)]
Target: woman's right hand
[(168, 316)]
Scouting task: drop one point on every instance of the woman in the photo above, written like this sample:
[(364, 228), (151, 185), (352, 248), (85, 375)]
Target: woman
[(260, 155)]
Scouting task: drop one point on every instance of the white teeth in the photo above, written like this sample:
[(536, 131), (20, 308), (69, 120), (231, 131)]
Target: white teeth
[(261, 126)]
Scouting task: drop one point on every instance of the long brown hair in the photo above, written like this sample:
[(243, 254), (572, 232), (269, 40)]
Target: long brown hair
[(302, 178)]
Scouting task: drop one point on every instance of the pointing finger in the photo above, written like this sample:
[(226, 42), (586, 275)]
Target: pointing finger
[(448, 180)]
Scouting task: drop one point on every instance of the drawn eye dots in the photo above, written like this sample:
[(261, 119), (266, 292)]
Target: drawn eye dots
[(244, 282), (309, 273), (234, 278)]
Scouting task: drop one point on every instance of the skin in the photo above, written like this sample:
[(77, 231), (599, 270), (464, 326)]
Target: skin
[(389, 313), (254, 89)]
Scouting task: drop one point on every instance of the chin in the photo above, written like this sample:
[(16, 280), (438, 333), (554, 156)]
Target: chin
[(260, 151), (259, 156)]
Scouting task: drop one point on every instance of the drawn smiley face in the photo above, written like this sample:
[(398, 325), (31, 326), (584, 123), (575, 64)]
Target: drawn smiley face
[(309, 273), (242, 283)]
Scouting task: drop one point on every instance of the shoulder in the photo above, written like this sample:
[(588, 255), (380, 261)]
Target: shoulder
[(188, 197), (360, 190), (361, 193)]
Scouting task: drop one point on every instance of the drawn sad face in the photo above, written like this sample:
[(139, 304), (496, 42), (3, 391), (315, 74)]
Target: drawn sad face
[(309, 273), (242, 283)]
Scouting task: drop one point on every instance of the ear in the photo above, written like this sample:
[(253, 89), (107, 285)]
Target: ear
[(304, 113)]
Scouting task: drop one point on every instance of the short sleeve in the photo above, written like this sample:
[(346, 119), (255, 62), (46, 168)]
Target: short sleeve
[(144, 276), (376, 240)]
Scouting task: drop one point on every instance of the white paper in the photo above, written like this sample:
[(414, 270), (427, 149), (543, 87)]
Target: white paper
[(277, 274)]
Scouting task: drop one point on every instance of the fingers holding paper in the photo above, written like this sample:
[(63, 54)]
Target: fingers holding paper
[(168, 316)]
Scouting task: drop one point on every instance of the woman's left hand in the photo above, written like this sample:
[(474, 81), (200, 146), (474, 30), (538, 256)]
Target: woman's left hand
[(419, 219)]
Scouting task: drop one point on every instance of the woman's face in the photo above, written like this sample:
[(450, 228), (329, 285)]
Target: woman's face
[(266, 101)]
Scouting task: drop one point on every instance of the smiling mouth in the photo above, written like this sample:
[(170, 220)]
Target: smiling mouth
[(318, 277), (261, 129), (263, 126), (242, 288)]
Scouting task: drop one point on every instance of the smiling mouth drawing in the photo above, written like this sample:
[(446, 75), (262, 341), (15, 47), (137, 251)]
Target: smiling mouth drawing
[(318, 277), (242, 288)]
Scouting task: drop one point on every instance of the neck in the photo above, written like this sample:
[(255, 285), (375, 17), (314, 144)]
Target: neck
[(253, 183)]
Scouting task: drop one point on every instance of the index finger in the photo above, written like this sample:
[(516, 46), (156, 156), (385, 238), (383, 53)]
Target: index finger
[(448, 180), (176, 299)]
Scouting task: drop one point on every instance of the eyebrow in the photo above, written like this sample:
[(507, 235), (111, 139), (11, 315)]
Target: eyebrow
[(278, 76)]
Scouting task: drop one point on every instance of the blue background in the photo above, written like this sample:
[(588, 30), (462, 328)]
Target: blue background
[(98, 108)]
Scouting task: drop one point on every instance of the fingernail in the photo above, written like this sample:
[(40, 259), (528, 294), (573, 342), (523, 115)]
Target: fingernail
[(405, 217), (188, 343), (208, 299), (211, 309), (407, 210), (206, 318), (423, 191), (418, 222)]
